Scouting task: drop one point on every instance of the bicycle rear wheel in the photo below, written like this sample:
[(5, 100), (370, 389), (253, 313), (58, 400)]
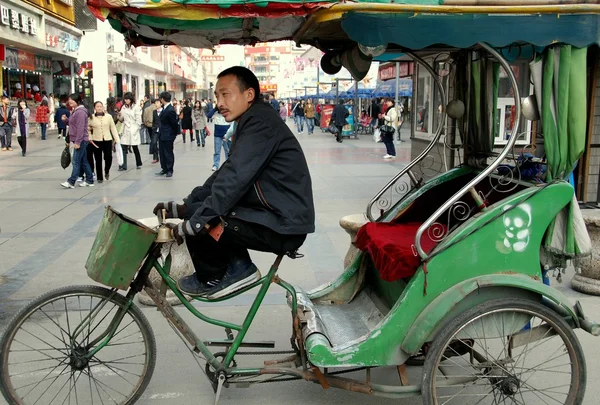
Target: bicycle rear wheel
[(42, 353)]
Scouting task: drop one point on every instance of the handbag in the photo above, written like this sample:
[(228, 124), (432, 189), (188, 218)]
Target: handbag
[(377, 135), (65, 157), (387, 130), (333, 129)]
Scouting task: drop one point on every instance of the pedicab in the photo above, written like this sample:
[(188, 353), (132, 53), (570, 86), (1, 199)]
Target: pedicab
[(450, 277)]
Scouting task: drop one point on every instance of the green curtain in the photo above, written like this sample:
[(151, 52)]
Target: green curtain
[(559, 78)]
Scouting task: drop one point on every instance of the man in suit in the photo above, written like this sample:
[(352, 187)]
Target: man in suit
[(169, 128)]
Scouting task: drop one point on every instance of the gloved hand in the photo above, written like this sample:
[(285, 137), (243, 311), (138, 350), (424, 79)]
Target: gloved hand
[(174, 210), (181, 230)]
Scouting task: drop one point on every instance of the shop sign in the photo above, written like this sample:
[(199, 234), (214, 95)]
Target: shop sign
[(18, 21), (212, 58), (26, 61), (11, 59), (387, 71), (43, 64), (268, 88), (61, 41)]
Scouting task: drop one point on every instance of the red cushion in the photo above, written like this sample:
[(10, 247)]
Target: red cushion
[(391, 248)]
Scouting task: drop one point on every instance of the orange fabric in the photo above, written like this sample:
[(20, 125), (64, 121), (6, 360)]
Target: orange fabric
[(391, 248)]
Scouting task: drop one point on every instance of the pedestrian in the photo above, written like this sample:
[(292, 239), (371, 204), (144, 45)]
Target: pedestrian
[(309, 114), (103, 138), (199, 121), (299, 116), (41, 117), (283, 111), (79, 138), (221, 127), (21, 117), (131, 117), (186, 121), (261, 199), (147, 120), (375, 111), (111, 108), (338, 118), (60, 123), (274, 103), (7, 123), (389, 129), (155, 130), (169, 128)]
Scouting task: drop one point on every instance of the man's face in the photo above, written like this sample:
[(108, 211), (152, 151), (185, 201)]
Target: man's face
[(231, 101), (158, 103)]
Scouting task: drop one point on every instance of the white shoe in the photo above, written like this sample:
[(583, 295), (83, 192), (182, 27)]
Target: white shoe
[(66, 184), (387, 157), (86, 184), (214, 168)]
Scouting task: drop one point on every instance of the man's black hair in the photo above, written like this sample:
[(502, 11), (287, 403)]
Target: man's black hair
[(154, 100), (165, 95), (246, 79), (340, 101)]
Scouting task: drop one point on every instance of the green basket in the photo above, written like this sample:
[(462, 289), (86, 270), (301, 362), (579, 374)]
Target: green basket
[(120, 247)]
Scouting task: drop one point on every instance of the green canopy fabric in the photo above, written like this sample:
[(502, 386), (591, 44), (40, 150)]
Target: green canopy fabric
[(559, 78)]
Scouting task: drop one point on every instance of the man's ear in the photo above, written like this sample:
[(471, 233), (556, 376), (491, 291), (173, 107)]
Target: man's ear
[(250, 95)]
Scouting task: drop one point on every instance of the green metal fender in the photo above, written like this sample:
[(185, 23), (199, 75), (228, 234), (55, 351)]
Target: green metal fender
[(437, 312)]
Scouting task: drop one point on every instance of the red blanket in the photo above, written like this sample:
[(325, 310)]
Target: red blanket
[(391, 248)]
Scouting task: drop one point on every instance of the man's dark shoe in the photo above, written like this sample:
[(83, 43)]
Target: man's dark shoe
[(239, 275), (161, 173), (169, 174), (190, 285)]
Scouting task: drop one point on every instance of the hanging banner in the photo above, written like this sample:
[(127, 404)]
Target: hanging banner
[(26, 61)]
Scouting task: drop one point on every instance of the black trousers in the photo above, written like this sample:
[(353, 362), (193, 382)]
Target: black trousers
[(22, 143), (211, 258), (338, 136), (102, 152), (154, 144), (167, 157), (136, 151)]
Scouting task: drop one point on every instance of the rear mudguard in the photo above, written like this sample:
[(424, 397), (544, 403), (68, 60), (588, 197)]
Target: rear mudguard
[(469, 293)]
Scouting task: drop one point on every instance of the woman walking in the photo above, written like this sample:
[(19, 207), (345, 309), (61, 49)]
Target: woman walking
[(283, 110), (186, 121), (41, 117), (391, 124), (199, 121), (103, 138), (131, 117), (79, 138), (21, 116)]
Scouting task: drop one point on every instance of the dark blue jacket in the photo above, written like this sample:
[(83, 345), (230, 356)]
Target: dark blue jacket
[(62, 110), (169, 126)]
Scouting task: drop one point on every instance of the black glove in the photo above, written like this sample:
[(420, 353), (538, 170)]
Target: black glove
[(174, 210), (181, 230)]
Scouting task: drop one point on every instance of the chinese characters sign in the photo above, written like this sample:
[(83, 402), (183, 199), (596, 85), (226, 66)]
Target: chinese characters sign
[(18, 21), (43, 64), (65, 42), (212, 58)]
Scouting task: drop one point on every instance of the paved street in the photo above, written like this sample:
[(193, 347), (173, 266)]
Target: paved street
[(46, 234)]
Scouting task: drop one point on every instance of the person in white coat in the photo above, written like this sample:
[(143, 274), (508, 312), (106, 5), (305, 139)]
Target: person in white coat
[(21, 117), (131, 117), (391, 123)]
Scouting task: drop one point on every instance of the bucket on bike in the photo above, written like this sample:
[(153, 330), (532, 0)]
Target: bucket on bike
[(119, 249)]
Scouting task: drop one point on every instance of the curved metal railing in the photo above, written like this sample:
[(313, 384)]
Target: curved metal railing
[(426, 151), (468, 187)]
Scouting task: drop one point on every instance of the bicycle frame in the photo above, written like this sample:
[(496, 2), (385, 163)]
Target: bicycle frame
[(142, 282)]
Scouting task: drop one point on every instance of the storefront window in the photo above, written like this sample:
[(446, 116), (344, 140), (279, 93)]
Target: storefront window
[(506, 111), (423, 100)]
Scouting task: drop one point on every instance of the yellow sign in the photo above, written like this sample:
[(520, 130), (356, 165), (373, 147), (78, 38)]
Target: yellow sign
[(63, 10)]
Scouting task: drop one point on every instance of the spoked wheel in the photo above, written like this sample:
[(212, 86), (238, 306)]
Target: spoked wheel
[(505, 352), (44, 352)]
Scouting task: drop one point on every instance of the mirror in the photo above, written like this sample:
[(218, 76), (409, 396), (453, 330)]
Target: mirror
[(529, 108), (455, 109)]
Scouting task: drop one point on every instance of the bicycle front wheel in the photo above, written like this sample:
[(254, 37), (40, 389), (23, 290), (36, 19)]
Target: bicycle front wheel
[(43, 351)]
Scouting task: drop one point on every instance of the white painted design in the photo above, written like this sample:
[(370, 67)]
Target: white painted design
[(517, 224)]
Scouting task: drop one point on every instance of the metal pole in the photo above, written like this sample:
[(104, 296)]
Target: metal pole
[(72, 77), (337, 90), (318, 79), (397, 81)]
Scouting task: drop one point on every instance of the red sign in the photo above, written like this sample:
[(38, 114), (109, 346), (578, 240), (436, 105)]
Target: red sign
[(387, 71), (2, 53), (326, 112), (26, 61), (212, 58), (266, 49), (268, 88)]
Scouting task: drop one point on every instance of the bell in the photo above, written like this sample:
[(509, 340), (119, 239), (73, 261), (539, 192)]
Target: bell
[(164, 232)]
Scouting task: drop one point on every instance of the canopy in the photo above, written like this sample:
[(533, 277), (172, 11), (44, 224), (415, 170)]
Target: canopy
[(387, 89), (363, 92), (332, 25)]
